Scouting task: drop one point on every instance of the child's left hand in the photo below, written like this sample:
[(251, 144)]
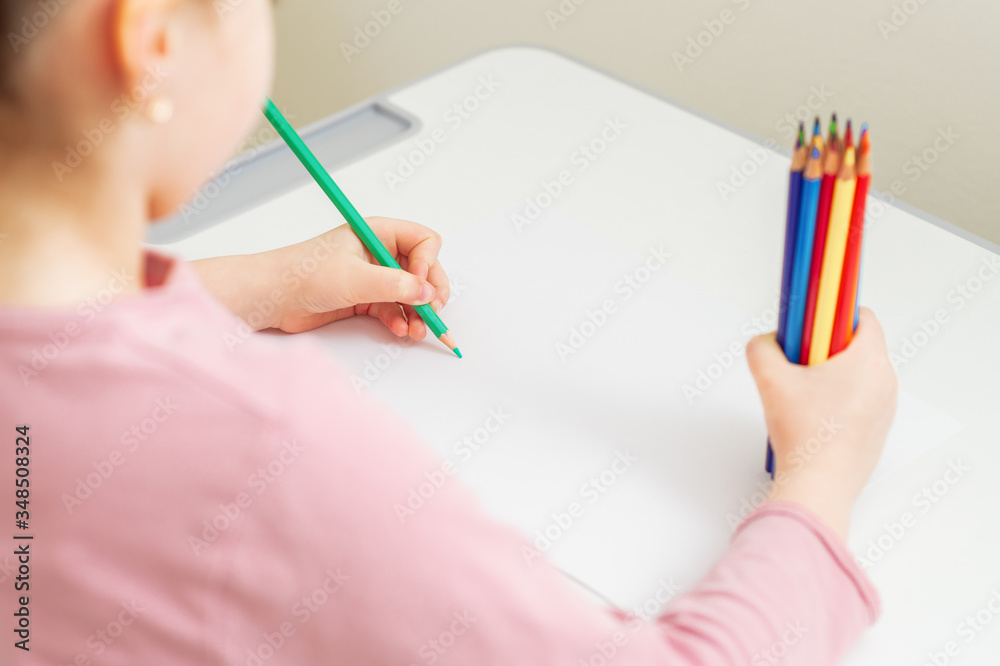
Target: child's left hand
[(332, 277)]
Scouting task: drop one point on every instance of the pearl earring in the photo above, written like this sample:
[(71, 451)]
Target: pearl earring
[(160, 110)]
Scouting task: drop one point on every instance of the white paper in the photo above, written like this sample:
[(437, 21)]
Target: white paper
[(698, 462)]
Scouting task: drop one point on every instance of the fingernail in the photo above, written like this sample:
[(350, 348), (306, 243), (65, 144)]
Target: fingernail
[(426, 292)]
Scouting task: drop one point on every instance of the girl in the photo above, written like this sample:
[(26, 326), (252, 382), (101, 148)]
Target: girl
[(194, 504)]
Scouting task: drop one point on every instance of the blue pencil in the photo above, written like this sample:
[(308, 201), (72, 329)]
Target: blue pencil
[(791, 224), (798, 291)]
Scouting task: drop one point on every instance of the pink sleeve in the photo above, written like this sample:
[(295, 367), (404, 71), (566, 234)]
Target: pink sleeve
[(787, 591)]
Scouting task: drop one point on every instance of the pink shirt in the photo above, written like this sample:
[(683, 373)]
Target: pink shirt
[(192, 504)]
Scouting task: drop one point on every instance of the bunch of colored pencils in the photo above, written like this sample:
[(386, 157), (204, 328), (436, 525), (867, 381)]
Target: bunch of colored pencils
[(824, 229)]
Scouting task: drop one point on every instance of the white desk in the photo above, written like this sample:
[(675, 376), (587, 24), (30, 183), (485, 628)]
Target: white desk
[(524, 115)]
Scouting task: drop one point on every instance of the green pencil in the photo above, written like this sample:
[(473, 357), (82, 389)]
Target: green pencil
[(351, 214)]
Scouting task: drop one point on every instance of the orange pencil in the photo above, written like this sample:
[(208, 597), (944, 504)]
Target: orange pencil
[(843, 327)]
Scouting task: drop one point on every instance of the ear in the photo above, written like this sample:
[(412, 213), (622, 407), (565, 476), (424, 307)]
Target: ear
[(141, 41)]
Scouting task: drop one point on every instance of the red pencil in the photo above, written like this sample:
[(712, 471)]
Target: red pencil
[(843, 327), (831, 165)]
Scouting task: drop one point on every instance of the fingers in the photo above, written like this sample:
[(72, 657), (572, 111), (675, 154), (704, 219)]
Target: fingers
[(418, 329), (417, 248), (378, 284), (418, 243), (402, 320), (390, 314), (437, 277)]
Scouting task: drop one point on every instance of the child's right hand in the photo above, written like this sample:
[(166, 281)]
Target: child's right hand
[(828, 423)]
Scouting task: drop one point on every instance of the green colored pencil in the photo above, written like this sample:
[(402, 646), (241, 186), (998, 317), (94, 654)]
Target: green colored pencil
[(351, 214)]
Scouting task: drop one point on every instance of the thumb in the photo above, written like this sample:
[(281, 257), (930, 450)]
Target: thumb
[(379, 284), (767, 360)]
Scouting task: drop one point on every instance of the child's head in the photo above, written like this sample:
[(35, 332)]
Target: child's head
[(153, 94)]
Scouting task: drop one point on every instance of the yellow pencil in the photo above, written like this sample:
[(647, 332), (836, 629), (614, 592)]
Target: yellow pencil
[(833, 258)]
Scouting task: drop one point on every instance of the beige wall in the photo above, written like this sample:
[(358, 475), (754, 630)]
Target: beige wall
[(914, 77)]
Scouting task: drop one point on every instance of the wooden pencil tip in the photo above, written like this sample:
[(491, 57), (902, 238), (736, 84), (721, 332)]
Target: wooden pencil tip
[(449, 342)]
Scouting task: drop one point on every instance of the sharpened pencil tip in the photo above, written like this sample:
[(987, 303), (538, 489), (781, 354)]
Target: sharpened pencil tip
[(449, 342), (864, 143)]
